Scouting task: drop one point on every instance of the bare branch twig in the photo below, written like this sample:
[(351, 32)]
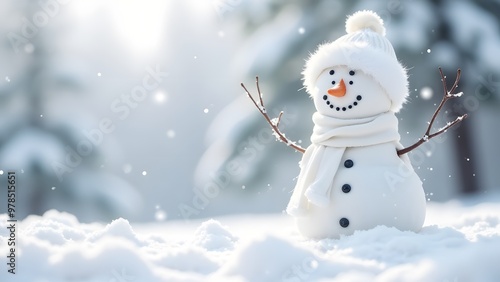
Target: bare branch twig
[(448, 94), (279, 119), (274, 124)]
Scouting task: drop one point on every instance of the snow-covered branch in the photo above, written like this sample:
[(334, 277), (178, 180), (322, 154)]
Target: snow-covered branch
[(274, 123), (448, 94)]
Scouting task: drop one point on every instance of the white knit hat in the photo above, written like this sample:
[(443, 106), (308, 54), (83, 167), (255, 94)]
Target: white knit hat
[(364, 48)]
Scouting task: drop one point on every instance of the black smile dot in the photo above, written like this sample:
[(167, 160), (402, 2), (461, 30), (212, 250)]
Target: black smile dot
[(332, 72), (351, 72), (350, 82), (348, 107)]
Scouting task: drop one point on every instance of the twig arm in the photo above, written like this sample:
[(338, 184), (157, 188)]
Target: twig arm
[(448, 94), (273, 123)]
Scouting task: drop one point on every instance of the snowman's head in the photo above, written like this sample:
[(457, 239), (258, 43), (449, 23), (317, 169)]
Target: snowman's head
[(357, 75), (347, 93)]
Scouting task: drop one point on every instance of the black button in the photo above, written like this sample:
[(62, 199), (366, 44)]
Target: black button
[(348, 163), (344, 222), (346, 188)]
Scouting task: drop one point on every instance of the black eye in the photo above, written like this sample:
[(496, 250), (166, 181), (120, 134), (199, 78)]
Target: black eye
[(333, 82), (351, 72), (332, 72), (350, 82)]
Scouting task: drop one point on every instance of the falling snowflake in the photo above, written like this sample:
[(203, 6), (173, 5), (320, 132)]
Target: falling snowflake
[(426, 93), (170, 133), (160, 97), (144, 173), (160, 215)]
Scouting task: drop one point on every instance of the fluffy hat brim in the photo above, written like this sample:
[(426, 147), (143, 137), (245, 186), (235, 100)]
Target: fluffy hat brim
[(385, 69)]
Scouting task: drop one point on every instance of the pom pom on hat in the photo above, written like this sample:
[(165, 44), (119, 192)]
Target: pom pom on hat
[(365, 20)]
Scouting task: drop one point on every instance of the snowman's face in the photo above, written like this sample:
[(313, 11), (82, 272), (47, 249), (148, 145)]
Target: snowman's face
[(342, 92)]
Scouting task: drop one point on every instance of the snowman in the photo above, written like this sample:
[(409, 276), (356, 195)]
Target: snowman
[(351, 176)]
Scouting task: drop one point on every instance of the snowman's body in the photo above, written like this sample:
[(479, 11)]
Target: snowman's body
[(351, 175), (379, 189)]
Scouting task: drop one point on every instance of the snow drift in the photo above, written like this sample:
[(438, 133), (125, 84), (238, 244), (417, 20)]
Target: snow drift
[(459, 242)]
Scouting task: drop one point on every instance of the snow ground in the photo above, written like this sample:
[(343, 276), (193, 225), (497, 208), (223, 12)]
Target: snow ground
[(459, 242)]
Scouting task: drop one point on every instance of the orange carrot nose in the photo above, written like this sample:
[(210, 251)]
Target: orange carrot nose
[(337, 90)]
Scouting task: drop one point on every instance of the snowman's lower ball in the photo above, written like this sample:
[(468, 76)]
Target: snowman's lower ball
[(372, 187)]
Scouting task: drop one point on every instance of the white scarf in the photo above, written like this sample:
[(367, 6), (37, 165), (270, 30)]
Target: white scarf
[(330, 138)]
